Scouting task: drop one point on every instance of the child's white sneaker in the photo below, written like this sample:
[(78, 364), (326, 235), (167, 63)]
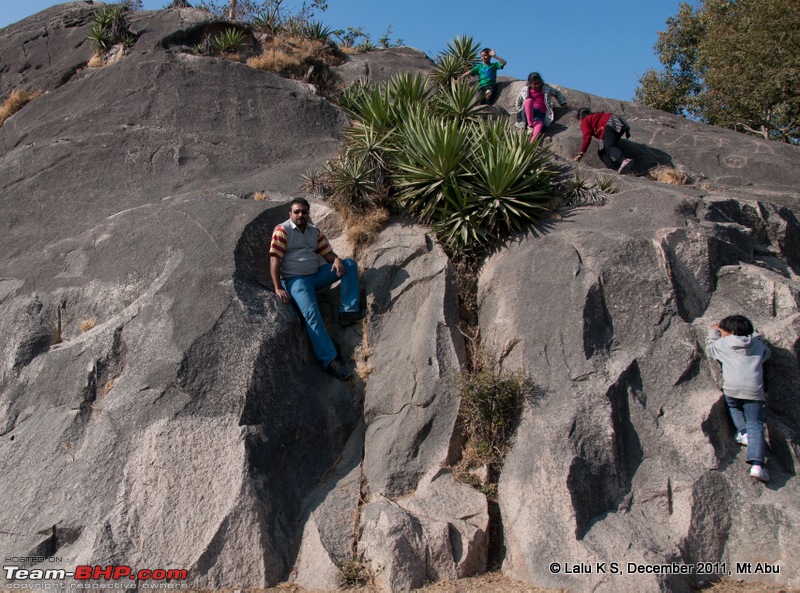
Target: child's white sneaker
[(759, 473), (741, 438)]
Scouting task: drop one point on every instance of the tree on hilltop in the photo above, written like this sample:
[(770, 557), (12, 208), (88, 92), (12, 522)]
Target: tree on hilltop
[(731, 63)]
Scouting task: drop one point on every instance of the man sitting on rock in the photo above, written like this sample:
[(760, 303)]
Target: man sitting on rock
[(294, 262)]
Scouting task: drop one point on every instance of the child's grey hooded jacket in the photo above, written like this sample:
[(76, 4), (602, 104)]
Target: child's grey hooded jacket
[(742, 359)]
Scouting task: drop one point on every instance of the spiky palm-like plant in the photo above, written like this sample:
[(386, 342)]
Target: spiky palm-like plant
[(447, 69), (228, 41), (459, 223), (371, 105), (429, 161), (352, 181), (317, 31), (458, 101), (463, 47), (99, 38), (409, 88)]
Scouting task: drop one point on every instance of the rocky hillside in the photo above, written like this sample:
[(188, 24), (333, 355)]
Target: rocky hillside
[(161, 408)]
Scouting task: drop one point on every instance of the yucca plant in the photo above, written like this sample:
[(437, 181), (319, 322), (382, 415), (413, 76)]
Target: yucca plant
[(352, 182), (409, 88), (267, 20), (464, 48), (99, 38), (229, 41), (447, 69), (371, 105), (365, 141), (458, 101), (429, 162), (512, 177), (366, 46), (317, 31), (459, 224)]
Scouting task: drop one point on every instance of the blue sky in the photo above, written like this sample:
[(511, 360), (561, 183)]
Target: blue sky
[(598, 47)]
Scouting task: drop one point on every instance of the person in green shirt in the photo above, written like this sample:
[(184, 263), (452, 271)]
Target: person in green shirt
[(486, 71)]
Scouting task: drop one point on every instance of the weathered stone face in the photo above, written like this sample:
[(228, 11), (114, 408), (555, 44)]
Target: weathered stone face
[(189, 426), (628, 454)]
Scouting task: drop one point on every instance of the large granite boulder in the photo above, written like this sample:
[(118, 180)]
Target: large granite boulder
[(152, 383), (628, 456)]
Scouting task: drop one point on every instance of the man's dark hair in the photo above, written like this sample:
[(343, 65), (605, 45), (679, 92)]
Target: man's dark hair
[(738, 325), (301, 201), (583, 112), (486, 49)]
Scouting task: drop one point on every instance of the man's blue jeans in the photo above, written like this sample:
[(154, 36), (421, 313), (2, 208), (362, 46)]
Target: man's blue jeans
[(302, 288), (748, 417)]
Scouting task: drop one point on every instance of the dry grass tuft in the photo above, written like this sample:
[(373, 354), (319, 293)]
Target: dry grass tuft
[(666, 174), (290, 55), (259, 196), (87, 324), (16, 100), (298, 58), (363, 228), (97, 404), (96, 61)]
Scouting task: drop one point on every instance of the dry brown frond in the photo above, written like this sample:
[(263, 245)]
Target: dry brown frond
[(16, 100), (363, 228), (667, 174), (259, 196), (348, 50), (87, 324)]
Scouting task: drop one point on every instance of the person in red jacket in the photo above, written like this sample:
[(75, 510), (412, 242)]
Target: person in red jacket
[(608, 128)]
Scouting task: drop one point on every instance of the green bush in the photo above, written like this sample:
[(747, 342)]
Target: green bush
[(492, 400), (109, 27), (432, 151)]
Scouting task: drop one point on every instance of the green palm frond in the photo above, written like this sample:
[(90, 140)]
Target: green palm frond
[(447, 69), (409, 88), (431, 161), (460, 224), (317, 31), (463, 47), (228, 41), (459, 102), (352, 181)]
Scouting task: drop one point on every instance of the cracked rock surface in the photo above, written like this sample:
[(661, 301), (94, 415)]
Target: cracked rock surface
[(160, 407)]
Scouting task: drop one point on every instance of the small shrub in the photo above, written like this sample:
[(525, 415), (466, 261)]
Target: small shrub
[(316, 31), (491, 403), (314, 181), (259, 196), (366, 46), (579, 192), (363, 228), (606, 185), (667, 174), (353, 183), (100, 38), (230, 41), (16, 100), (354, 573), (110, 26)]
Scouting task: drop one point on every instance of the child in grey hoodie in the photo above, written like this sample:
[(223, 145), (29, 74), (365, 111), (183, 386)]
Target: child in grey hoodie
[(733, 342)]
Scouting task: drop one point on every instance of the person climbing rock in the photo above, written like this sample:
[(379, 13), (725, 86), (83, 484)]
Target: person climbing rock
[(609, 129)]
